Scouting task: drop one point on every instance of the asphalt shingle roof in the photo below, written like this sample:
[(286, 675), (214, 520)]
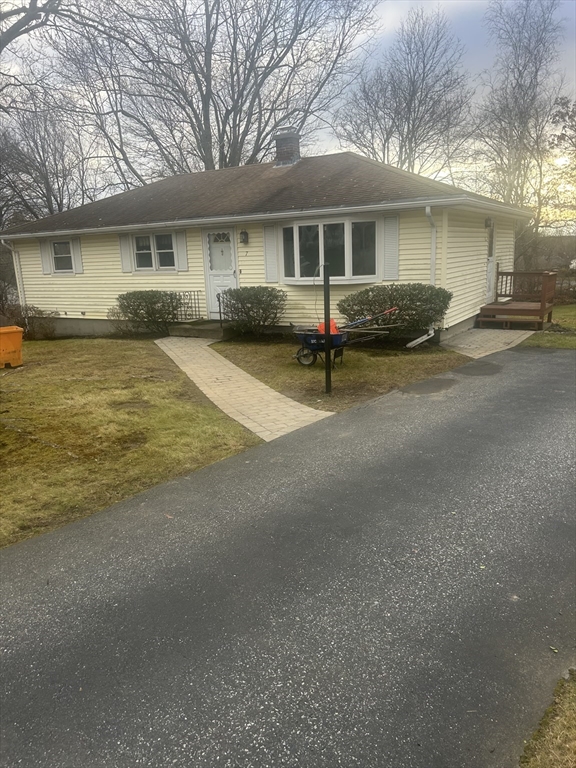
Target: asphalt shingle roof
[(327, 181)]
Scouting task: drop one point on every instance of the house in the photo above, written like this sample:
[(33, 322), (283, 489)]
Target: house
[(267, 224)]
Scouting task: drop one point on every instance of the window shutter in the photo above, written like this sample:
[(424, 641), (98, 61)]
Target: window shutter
[(46, 256), (391, 248), (76, 255), (270, 254), (125, 252), (180, 251)]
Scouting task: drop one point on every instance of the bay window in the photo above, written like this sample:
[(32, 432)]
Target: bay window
[(348, 246)]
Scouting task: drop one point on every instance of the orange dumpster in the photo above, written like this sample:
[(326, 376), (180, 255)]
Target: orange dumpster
[(11, 346)]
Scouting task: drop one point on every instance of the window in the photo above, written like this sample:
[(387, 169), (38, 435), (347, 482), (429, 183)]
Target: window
[(349, 247), (62, 255), (220, 256), (154, 252), (363, 248)]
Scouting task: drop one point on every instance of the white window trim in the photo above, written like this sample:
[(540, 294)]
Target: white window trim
[(53, 257), (155, 262), (347, 279)]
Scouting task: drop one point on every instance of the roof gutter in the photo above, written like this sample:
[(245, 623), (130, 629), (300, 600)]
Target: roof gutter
[(291, 214)]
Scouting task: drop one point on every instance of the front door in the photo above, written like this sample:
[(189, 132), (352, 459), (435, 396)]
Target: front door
[(490, 267), (220, 266)]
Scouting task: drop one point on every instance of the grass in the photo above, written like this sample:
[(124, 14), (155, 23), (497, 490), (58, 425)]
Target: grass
[(561, 334), (553, 745), (86, 423), (366, 373)]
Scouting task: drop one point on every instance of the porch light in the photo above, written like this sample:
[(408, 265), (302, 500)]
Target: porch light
[(244, 237)]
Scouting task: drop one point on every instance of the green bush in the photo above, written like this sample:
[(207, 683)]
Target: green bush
[(251, 310), (419, 305), (152, 311)]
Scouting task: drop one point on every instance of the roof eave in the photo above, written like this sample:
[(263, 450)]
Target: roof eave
[(465, 201)]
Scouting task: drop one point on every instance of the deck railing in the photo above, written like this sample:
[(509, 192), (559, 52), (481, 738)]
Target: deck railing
[(538, 287), (190, 308)]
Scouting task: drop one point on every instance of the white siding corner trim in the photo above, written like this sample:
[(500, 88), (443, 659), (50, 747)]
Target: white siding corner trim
[(270, 254), (391, 248), (180, 252)]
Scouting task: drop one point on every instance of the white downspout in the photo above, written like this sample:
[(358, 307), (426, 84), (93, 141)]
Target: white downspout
[(433, 232), (17, 272)]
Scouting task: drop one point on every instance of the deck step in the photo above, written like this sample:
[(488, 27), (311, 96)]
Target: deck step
[(203, 329)]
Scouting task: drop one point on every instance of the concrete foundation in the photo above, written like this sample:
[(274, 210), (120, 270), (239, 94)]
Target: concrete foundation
[(82, 326), (454, 330)]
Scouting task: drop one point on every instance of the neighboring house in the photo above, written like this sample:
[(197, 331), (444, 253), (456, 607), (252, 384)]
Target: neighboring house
[(267, 224)]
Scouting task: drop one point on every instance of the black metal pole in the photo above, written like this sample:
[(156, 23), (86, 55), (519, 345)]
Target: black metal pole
[(327, 334), (219, 307)]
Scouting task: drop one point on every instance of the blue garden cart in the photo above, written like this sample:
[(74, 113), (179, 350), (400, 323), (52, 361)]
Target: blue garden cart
[(312, 340)]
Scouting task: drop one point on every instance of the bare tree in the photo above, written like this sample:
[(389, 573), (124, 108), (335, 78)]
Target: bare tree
[(192, 84), (20, 18), (47, 164), (516, 116), (411, 110)]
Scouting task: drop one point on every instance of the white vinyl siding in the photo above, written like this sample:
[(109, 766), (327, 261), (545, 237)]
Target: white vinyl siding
[(460, 262), (414, 246), (251, 258), (94, 291), (504, 235), (467, 257)]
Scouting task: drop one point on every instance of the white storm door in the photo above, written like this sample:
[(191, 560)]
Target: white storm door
[(220, 266)]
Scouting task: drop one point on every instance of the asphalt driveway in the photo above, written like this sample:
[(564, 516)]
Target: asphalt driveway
[(378, 590)]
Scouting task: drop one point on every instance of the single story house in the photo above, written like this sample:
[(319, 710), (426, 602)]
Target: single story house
[(267, 224)]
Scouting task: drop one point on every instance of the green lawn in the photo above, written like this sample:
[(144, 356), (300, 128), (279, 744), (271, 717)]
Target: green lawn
[(366, 373), (562, 333), (88, 422)]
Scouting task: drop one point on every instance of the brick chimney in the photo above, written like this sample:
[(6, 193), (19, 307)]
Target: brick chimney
[(287, 146)]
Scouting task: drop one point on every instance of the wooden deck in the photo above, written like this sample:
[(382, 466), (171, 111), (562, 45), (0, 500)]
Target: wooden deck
[(521, 297)]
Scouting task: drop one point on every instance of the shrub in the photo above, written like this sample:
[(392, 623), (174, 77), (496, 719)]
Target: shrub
[(37, 323), (152, 311), (419, 305), (252, 309)]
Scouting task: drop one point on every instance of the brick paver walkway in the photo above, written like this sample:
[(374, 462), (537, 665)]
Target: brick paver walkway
[(479, 342), (245, 399)]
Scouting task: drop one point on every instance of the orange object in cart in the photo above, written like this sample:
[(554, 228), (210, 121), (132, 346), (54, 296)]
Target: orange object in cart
[(11, 346)]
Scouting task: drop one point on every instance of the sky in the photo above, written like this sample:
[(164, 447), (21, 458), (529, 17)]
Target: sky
[(466, 18)]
